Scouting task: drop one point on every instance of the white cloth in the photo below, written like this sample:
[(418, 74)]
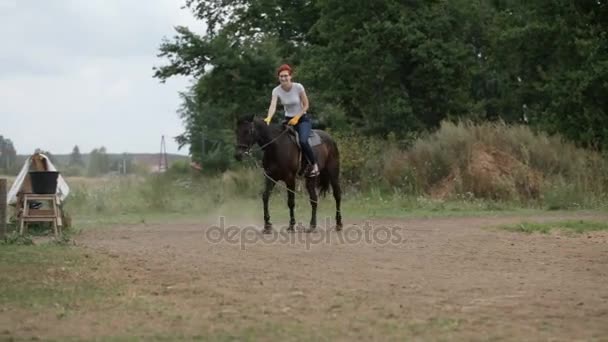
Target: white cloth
[(62, 187)]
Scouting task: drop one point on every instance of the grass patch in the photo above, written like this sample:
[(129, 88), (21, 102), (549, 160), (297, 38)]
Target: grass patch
[(236, 195), (207, 199), (580, 226), (50, 276), (372, 329)]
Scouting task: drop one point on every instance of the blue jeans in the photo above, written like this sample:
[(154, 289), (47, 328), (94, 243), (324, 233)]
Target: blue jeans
[(304, 127)]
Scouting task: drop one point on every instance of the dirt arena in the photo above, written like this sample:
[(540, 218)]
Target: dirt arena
[(438, 279)]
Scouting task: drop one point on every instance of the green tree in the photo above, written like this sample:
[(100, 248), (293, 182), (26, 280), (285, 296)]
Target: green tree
[(551, 63), (76, 158), (8, 154), (99, 162), (234, 78), (393, 66), (377, 67)]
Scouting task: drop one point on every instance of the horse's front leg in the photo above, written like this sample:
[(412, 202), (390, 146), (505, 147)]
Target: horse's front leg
[(291, 202), (269, 185), (312, 193)]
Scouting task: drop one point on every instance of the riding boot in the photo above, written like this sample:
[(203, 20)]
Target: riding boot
[(314, 171)]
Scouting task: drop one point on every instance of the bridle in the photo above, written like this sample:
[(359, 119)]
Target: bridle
[(248, 151), (248, 147)]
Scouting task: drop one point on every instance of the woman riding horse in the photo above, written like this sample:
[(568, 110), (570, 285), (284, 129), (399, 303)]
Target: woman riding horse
[(295, 102), (281, 162)]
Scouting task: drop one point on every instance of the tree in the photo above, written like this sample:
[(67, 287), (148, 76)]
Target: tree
[(99, 162), (551, 63), (391, 66), (8, 154), (394, 66), (378, 67), (76, 158), (238, 81)]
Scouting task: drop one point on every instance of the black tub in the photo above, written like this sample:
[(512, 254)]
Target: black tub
[(44, 182)]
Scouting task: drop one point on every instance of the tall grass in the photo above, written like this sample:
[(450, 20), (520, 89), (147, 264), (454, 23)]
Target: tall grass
[(162, 193), (236, 195), (379, 178), (522, 165)]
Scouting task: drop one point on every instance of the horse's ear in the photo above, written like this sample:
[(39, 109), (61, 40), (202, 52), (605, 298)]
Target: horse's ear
[(245, 118)]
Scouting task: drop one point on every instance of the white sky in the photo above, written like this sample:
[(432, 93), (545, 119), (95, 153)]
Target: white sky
[(79, 72)]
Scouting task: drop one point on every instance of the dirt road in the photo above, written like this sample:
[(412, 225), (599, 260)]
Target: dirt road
[(438, 279)]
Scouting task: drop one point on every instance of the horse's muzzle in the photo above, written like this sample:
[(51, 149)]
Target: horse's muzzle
[(239, 154), (241, 151)]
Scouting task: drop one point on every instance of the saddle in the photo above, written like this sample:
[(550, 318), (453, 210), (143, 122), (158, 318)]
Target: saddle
[(313, 140)]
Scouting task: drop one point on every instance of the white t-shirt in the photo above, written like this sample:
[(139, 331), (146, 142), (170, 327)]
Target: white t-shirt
[(290, 99)]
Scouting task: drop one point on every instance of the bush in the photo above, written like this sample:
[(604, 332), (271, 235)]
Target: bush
[(489, 160)]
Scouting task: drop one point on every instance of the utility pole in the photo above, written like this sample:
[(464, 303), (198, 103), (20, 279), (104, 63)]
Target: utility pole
[(3, 207), (163, 165), (202, 143)]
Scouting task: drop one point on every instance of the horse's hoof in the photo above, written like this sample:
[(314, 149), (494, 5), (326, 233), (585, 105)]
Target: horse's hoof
[(311, 230), (291, 229), (267, 231), (339, 228)]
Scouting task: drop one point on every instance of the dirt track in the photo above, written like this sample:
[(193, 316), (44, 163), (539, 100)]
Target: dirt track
[(448, 278)]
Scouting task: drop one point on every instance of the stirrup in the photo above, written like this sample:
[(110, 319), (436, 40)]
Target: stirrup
[(313, 172)]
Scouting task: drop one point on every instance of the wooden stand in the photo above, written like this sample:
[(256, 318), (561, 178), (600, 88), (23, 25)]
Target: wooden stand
[(40, 215)]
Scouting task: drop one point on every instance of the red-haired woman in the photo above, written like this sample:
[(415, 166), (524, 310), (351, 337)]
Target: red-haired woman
[(295, 102)]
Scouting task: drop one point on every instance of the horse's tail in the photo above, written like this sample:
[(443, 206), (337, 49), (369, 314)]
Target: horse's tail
[(324, 181), (326, 174)]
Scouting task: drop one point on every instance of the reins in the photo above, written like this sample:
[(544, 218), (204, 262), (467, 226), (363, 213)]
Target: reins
[(248, 153)]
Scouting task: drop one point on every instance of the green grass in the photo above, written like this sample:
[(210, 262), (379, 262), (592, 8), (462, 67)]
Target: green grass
[(184, 207), (236, 195), (294, 330), (49, 276), (357, 207), (58, 284), (580, 226), (263, 331)]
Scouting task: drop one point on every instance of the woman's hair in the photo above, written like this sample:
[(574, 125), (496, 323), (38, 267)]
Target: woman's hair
[(284, 67)]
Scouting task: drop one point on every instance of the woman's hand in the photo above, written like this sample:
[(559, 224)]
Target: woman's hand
[(294, 120)]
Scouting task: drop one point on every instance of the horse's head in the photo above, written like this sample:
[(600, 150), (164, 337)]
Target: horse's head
[(245, 136)]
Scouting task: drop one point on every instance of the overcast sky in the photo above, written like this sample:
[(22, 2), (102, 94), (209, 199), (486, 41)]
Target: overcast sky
[(79, 72)]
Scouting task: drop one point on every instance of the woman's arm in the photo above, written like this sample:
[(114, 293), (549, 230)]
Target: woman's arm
[(272, 109), (304, 100)]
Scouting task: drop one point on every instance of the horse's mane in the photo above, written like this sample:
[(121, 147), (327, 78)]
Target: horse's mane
[(267, 132)]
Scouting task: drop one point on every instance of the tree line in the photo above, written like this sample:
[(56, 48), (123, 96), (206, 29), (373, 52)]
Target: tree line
[(98, 162), (396, 67)]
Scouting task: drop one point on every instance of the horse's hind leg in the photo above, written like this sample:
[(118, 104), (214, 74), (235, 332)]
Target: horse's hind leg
[(311, 186), (265, 197), (291, 202), (337, 191)]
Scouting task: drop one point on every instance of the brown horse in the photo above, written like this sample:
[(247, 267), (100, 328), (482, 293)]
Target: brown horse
[(281, 162)]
